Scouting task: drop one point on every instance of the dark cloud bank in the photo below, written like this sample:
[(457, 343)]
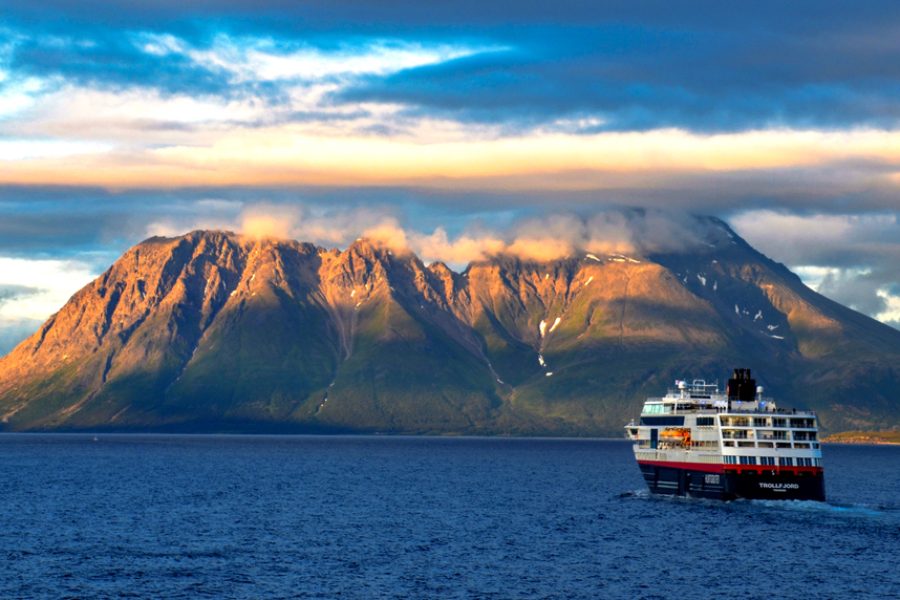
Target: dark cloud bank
[(704, 66)]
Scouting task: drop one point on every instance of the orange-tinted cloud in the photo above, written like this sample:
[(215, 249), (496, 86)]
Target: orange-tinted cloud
[(438, 246), (548, 238), (445, 157), (389, 233), (262, 222)]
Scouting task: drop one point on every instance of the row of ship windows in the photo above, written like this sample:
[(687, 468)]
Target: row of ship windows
[(764, 444), (783, 461), (757, 422), (797, 423), (743, 434)]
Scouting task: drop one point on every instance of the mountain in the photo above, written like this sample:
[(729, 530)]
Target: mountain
[(212, 331)]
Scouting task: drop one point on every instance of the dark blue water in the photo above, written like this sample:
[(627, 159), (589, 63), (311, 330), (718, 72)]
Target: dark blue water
[(308, 517)]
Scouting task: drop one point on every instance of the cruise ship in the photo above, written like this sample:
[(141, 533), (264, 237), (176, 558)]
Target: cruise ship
[(697, 441)]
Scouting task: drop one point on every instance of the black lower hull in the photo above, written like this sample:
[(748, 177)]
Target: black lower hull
[(674, 481)]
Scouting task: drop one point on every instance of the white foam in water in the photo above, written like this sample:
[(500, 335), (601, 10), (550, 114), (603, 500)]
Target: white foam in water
[(852, 510), (803, 506)]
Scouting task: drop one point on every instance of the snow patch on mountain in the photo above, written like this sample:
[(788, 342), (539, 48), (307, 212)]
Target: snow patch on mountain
[(622, 258)]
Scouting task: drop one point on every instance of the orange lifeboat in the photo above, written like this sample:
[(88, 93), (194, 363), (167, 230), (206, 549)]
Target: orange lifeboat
[(676, 435)]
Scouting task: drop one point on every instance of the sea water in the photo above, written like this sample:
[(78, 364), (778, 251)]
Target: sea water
[(370, 517)]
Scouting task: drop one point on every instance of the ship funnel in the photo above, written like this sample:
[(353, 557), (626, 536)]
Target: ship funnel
[(741, 386)]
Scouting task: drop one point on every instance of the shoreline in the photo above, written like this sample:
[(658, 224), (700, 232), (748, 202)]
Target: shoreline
[(881, 438)]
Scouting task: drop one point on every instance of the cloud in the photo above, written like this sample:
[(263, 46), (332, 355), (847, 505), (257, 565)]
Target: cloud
[(266, 72), (611, 97), (17, 150), (389, 233), (255, 59), (268, 222), (546, 237), (608, 65), (822, 239), (37, 288), (462, 250), (851, 258), (448, 156), (110, 59), (638, 74), (14, 331), (10, 291), (549, 237), (890, 312)]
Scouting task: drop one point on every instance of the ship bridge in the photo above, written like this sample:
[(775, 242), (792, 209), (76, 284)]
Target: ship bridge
[(742, 395)]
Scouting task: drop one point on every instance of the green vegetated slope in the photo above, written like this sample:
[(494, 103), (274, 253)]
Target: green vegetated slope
[(215, 332)]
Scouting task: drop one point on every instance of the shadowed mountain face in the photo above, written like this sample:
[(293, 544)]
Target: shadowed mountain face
[(215, 332)]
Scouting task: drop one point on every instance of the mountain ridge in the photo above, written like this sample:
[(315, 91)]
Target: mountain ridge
[(213, 331)]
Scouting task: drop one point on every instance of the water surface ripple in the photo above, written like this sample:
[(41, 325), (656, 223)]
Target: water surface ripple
[(371, 517)]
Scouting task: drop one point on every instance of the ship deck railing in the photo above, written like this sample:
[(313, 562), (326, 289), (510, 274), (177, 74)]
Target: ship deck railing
[(710, 401), (714, 410), (778, 411), (675, 455)]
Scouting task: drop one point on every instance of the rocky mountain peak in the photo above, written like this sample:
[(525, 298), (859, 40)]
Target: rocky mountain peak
[(213, 330)]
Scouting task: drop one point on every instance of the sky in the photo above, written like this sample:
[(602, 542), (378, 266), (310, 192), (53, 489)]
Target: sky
[(464, 128)]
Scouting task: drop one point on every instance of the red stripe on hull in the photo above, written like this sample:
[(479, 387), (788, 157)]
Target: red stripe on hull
[(723, 468)]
